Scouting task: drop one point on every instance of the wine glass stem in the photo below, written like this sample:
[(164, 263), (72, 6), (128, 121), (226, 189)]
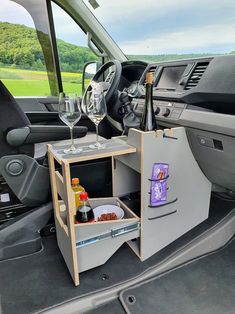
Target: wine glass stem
[(97, 134), (71, 134)]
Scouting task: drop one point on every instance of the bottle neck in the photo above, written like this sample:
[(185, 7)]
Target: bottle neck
[(148, 121), (149, 90)]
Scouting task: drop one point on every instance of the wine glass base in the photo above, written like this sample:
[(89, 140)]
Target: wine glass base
[(97, 146), (72, 150)]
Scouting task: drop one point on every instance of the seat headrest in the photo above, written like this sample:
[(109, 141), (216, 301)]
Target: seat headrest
[(11, 115)]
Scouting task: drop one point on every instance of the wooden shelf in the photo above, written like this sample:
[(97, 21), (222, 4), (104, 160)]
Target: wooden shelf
[(113, 147), (89, 245)]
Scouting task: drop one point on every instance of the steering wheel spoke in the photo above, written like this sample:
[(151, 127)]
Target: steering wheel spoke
[(105, 86), (109, 85)]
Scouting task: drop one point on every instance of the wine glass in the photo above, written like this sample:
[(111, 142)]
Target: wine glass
[(94, 106), (70, 114)]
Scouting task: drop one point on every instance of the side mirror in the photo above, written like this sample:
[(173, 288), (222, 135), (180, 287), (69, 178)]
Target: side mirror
[(89, 70)]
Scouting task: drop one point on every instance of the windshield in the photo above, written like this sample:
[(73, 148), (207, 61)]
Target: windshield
[(157, 30)]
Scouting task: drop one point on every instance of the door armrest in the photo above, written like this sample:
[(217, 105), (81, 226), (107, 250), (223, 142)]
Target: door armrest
[(33, 134)]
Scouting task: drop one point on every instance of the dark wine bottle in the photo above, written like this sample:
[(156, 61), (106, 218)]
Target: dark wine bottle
[(148, 121)]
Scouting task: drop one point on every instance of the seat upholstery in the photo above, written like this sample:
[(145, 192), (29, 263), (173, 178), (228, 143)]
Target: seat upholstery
[(11, 117)]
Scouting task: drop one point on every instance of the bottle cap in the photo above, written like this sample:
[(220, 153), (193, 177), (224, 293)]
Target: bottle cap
[(149, 78), (75, 181), (83, 196)]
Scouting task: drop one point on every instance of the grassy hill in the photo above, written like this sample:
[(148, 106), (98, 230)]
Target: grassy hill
[(19, 47)]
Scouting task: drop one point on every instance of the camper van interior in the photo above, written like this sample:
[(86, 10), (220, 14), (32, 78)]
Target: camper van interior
[(117, 156)]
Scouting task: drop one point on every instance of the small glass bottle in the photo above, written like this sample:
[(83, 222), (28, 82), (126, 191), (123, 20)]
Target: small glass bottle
[(84, 211), (77, 188)]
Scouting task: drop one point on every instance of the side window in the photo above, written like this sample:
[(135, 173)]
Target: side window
[(22, 63), (72, 49)]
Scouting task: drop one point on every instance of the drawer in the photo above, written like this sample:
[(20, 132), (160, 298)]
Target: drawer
[(96, 242)]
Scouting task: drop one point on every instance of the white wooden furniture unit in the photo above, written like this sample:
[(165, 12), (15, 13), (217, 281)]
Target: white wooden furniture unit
[(85, 246), (188, 196)]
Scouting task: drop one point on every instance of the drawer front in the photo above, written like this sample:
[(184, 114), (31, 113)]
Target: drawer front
[(95, 251)]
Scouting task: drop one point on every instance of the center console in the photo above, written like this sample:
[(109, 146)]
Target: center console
[(163, 109), (198, 94)]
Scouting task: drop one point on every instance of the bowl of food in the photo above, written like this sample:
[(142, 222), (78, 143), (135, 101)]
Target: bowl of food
[(108, 212)]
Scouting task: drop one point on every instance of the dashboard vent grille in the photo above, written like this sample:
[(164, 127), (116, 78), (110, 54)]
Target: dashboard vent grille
[(196, 75)]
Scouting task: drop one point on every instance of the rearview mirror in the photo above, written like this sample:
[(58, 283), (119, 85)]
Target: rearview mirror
[(89, 70)]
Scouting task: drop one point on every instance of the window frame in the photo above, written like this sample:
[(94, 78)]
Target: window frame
[(54, 46), (53, 36)]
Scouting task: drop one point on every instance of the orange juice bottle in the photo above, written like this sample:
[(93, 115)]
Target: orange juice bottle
[(77, 188)]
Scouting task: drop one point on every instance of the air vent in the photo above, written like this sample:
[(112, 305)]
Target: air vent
[(196, 75)]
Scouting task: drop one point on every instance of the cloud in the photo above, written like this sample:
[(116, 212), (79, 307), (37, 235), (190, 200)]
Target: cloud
[(184, 41), (111, 12), (66, 28), (14, 13), (169, 26)]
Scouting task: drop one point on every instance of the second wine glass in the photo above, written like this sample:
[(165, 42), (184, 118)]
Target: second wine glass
[(70, 114), (95, 108)]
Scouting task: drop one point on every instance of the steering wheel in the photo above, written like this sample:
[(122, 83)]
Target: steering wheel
[(109, 85)]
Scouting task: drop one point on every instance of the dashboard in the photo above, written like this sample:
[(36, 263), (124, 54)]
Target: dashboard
[(198, 83), (198, 94)]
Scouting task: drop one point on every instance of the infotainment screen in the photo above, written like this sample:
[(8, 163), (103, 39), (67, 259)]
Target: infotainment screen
[(170, 77)]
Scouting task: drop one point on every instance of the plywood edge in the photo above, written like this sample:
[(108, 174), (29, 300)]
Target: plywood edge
[(117, 221), (60, 185), (99, 156), (62, 225), (135, 246), (50, 152), (69, 202), (121, 137)]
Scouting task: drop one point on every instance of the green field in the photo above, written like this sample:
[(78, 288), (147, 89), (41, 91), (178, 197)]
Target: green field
[(35, 83)]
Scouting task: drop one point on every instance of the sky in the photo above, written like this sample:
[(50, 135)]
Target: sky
[(149, 26), (170, 26)]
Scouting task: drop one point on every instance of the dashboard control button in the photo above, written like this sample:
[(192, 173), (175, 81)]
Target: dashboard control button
[(179, 105), (157, 110), (205, 141), (167, 112)]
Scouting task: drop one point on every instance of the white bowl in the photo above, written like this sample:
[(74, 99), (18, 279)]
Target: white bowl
[(108, 209)]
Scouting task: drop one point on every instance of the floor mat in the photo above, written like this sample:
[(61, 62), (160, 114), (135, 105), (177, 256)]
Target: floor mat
[(205, 286), (113, 307), (33, 283)]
